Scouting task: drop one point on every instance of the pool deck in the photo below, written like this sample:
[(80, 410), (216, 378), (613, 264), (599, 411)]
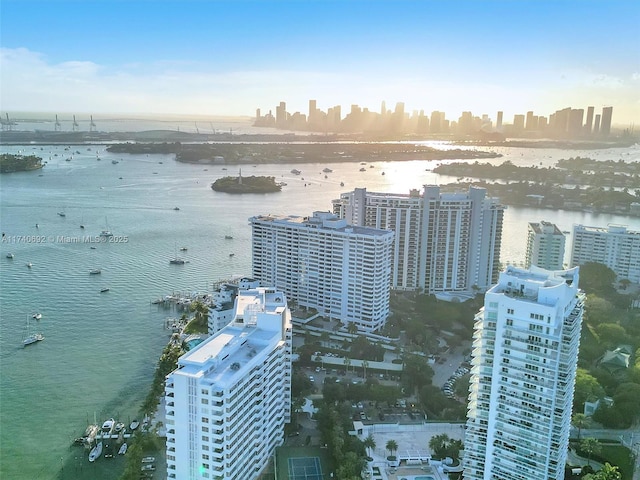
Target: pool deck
[(412, 439)]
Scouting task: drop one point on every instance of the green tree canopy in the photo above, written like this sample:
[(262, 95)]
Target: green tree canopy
[(596, 278), (587, 389), (611, 334), (417, 372)]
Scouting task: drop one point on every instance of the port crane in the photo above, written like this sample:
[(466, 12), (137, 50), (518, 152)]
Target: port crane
[(92, 126), (75, 124), (7, 124), (57, 126)]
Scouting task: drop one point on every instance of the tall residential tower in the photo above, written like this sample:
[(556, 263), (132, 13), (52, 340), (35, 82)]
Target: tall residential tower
[(230, 397), (524, 361), (545, 246), (321, 262), (444, 242)]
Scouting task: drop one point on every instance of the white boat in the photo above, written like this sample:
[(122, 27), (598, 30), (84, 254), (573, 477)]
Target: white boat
[(106, 232), (119, 426), (31, 337), (183, 249), (9, 255), (296, 171), (95, 452), (133, 425), (176, 260), (148, 459), (123, 449), (104, 290), (29, 264), (95, 271), (327, 170), (108, 425), (37, 316)]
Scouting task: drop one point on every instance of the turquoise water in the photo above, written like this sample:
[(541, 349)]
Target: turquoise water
[(100, 349)]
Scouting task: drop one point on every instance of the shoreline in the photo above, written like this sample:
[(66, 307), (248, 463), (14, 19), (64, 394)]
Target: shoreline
[(39, 137)]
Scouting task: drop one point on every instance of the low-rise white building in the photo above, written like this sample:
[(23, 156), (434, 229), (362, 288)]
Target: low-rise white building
[(230, 397)]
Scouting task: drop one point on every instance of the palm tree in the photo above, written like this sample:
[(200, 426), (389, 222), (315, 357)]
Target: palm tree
[(438, 444), (580, 421), (347, 363), (365, 364), (201, 315), (369, 443), (608, 472), (392, 446), (352, 328), (590, 446)]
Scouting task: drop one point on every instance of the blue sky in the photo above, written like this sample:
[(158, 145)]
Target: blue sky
[(216, 57)]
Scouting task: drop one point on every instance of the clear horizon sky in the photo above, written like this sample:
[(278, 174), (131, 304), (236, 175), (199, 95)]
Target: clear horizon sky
[(227, 58)]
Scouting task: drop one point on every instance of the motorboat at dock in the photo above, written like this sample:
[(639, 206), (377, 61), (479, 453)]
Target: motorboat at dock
[(108, 426)]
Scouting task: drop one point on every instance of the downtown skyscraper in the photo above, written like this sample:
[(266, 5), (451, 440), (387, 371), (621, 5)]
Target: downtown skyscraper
[(524, 361)]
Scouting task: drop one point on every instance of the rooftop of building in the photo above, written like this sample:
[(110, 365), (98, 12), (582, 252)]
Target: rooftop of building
[(536, 284), (220, 356), (324, 220), (611, 228), (545, 227)]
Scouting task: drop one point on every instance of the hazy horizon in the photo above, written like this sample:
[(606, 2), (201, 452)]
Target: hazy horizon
[(227, 59)]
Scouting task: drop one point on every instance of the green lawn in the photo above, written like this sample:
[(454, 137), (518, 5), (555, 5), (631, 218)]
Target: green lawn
[(619, 456)]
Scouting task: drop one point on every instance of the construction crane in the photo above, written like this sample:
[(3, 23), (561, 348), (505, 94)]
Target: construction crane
[(75, 124), (57, 126), (7, 124), (92, 126), (197, 131)]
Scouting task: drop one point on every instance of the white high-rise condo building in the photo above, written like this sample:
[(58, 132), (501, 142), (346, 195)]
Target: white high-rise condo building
[(321, 262), (230, 397), (445, 242), (614, 246), (524, 360), (545, 246)]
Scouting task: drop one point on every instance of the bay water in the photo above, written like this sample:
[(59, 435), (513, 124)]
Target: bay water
[(100, 349)]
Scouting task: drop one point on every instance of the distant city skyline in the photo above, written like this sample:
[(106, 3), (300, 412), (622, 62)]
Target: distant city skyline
[(226, 58), (570, 123)]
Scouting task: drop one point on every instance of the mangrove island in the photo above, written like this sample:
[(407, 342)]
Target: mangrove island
[(242, 184)]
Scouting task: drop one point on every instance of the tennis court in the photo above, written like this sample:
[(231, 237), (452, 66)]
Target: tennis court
[(305, 468), (302, 463)]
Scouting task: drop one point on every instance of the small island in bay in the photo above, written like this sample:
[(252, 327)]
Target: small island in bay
[(19, 163), (242, 184)]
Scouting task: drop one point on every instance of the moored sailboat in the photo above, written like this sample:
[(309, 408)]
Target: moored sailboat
[(95, 452), (31, 337)]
